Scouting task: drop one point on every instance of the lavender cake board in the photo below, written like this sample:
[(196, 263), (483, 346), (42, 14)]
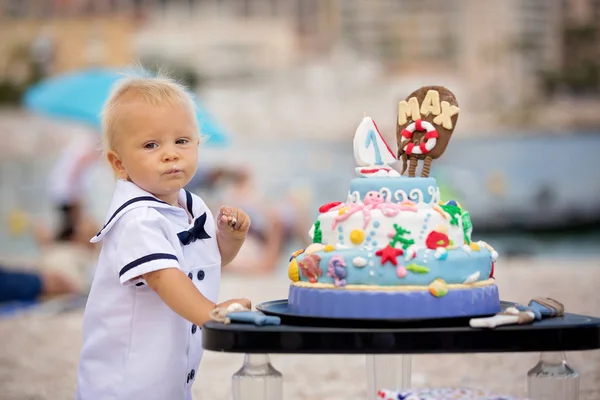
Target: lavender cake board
[(396, 307), (280, 308)]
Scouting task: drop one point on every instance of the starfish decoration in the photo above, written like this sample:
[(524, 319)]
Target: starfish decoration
[(389, 253)]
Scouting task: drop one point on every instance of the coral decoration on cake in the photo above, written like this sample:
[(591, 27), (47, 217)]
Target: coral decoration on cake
[(310, 267), (371, 152), (437, 238), (426, 121)]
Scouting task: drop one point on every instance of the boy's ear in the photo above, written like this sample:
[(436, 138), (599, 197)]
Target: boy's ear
[(117, 165)]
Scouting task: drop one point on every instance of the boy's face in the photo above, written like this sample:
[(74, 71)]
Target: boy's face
[(156, 148)]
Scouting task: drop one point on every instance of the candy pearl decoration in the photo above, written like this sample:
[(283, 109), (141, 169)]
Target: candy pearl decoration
[(357, 236), (359, 262), (401, 271)]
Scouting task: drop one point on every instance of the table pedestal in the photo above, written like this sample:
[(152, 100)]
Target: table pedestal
[(387, 371)]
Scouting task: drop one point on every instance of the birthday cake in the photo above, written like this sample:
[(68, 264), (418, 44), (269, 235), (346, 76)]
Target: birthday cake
[(393, 249)]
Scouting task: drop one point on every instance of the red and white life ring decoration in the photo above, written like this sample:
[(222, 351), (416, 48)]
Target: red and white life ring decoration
[(430, 137)]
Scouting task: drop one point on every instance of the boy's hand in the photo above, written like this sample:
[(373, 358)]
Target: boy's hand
[(244, 302), (233, 222)]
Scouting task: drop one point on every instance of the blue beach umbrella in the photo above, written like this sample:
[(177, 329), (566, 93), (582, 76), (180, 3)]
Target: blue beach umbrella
[(80, 96)]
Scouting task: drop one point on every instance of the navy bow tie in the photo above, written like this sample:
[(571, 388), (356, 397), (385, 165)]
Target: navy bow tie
[(196, 232)]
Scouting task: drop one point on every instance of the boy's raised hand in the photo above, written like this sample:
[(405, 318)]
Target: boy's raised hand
[(233, 222)]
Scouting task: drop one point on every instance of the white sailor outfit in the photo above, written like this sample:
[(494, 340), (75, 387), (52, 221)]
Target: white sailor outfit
[(134, 345)]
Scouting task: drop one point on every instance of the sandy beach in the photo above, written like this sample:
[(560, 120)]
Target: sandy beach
[(39, 353)]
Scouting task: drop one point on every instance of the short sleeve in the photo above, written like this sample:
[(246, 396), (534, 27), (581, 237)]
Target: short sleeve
[(144, 247)]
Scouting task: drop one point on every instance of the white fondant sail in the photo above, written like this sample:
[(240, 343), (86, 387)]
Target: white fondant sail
[(370, 149)]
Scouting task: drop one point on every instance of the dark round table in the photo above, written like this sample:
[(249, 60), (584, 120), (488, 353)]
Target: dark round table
[(380, 341)]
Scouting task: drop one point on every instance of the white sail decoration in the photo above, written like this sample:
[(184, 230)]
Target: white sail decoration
[(371, 152)]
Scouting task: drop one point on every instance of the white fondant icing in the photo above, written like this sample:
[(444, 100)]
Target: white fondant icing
[(410, 253), (387, 193), (400, 196), (439, 252), (412, 221), (472, 278), (481, 243), (494, 255), (314, 247), (385, 172), (467, 248), (415, 195), (434, 192), (359, 262), (354, 197)]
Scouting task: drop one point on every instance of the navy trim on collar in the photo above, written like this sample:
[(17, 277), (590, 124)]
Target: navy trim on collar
[(145, 259), (190, 206), (127, 203)]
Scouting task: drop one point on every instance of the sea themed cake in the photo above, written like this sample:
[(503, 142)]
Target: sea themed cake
[(394, 249)]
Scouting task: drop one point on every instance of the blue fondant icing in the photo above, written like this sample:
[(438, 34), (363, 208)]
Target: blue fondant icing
[(341, 238), (368, 238), (374, 243), (364, 185), (372, 233), (364, 304), (376, 224), (340, 228), (457, 266)]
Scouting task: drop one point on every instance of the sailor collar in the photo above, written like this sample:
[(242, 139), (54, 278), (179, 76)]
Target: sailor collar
[(128, 196)]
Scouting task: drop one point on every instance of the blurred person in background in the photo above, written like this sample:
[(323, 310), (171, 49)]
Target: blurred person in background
[(207, 176), (67, 184), (275, 224), (67, 248), (26, 286)]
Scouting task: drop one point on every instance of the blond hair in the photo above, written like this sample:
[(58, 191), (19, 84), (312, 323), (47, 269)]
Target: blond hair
[(153, 90)]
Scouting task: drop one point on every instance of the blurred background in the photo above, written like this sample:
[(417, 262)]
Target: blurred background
[(281, 87)]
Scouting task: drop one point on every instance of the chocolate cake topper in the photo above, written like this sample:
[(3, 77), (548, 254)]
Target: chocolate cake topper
[(426, 121)]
